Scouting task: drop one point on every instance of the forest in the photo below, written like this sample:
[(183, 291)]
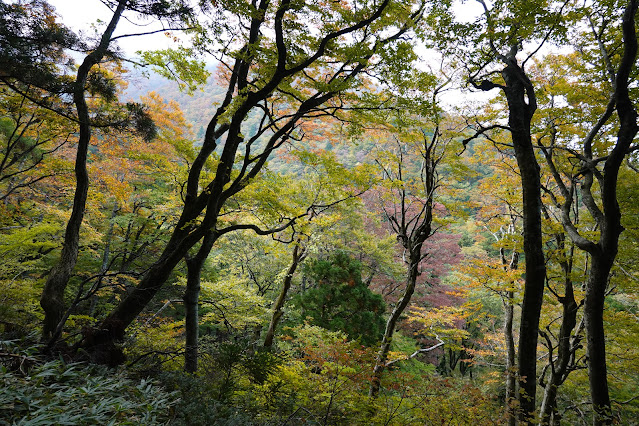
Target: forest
[(366, 212)]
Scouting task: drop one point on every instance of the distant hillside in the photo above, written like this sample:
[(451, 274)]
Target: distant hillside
[(198, 108)]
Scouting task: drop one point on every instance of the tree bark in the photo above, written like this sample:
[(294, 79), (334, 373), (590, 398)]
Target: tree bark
[(596, 343), (299, 253), (509, 338), (560, 368), (605, 252), (391, 323), (522, 104), (191, 301), (52, 299)]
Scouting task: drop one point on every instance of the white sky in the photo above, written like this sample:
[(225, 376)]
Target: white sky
[(83, 15), (80, 15)]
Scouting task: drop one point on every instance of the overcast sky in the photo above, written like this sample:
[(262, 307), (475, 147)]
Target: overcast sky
[(80, 15)]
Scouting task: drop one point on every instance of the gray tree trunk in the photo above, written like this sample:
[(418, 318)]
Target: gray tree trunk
[(299, 253), (52, 299), (391, 323), (522, 105), (509, 338), (191, 302)]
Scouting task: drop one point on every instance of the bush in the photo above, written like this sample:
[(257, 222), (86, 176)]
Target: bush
[(197, 404), (75, 394)]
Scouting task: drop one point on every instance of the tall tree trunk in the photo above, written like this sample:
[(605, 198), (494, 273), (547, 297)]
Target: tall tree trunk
[(596, 338), (560, 368), (191, 301), (391, 323), (52, 299), (522, 105), (604, 254), (509, 311), (299, 253)]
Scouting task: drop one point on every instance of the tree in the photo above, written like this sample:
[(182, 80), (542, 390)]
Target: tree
[(493, 64), (517, 89), (52, 299), (284, 78), (132, 200), (341, 301), (31, 30), (409, 210), (604, 208)]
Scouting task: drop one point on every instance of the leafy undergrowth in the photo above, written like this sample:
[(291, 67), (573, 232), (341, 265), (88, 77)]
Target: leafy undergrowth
[(319, 377), (55, 392)]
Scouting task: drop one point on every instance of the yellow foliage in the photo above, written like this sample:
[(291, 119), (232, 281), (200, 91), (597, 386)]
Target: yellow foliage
[(19, 306)]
